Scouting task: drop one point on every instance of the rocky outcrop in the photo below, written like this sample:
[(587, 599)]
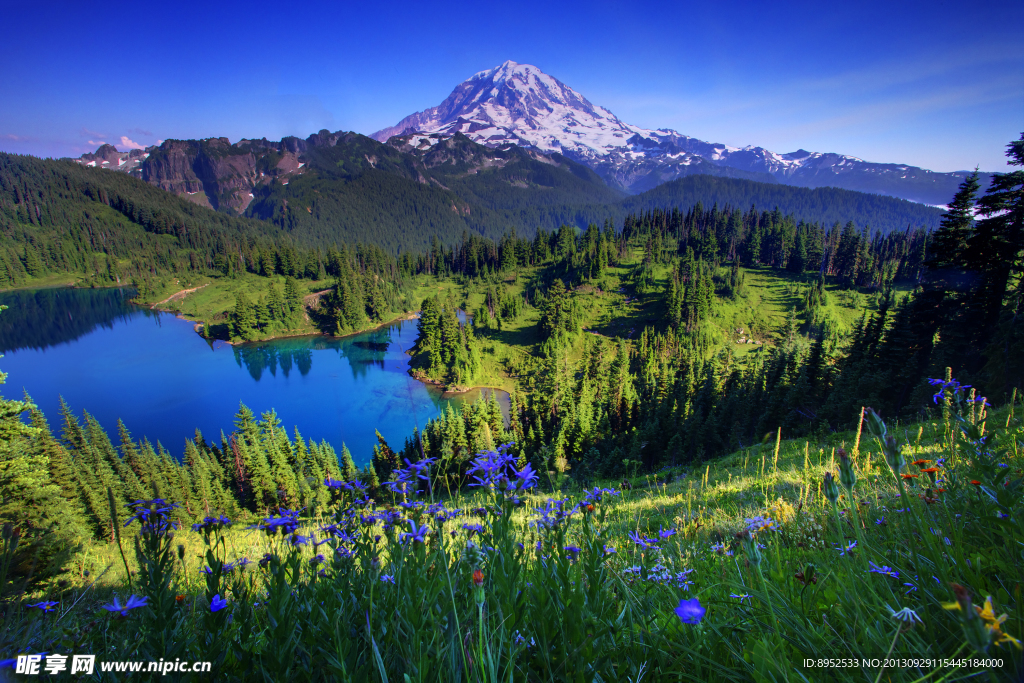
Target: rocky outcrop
[(224, 173)]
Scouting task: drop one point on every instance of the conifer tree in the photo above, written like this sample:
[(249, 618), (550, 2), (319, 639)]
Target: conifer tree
[(48, 526), (348, 466), (243, 318)]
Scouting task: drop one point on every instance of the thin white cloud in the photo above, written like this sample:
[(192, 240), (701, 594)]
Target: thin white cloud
[(86, 133), (12, 136), (96, 143), (142, 131), (128, 143)]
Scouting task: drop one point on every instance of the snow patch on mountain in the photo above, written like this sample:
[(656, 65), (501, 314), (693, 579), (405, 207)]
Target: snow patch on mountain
[(520, 104)]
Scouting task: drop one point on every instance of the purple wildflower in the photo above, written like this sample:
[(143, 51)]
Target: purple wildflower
[(132, 603), (690, 611), (212, 523), (152, 515), (886, 571), (45, 605), (597, 495), (847, 549), (218, 603), (643, 541), (418, 534)]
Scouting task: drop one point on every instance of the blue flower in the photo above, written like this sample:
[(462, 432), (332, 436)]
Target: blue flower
[(388, 578), (295, 540), (953, 385), (761, 523), (211, 523), (609, 550), (152, 515), (643, 541), (288, 523), (473, 528), (419, 467), (552, 514), (525, 478), (741, 596), (490, 469), (598, 494), (847, 549), (133, 602), (417, 535), (45, 605), (690, 611), (886, 571), (665, 533), (218, 603)]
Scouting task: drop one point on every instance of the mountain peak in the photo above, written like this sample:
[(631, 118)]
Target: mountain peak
[(520, 104)]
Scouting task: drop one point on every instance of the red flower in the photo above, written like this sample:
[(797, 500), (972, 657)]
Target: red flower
[(478, 578), (909, 476), (975, 482)]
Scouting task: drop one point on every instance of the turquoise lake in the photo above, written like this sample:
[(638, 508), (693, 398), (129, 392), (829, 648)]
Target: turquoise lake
[(116, 360)]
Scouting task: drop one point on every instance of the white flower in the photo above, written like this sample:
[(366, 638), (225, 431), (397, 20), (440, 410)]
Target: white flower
[(906, 615)]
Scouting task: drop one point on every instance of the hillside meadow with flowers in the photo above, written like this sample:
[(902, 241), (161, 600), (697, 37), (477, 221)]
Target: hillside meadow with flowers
[(790, 560), (625, 520)]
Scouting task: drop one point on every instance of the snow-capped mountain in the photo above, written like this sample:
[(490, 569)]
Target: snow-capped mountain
[(520, 104)]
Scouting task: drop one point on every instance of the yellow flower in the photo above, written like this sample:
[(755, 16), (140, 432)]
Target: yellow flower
[(1007, 638), (994, 624), (988, 614), (951, 605)]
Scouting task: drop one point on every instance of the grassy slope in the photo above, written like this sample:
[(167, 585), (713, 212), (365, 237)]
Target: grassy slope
[(617, 312), (707, 504)]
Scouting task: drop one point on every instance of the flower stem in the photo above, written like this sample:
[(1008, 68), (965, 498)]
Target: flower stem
[(884, 659)]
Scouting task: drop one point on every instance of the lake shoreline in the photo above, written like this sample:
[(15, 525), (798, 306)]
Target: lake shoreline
[(198, 324)]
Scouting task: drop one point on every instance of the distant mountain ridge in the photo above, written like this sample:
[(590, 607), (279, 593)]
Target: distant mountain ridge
[(343, 186), (519, 104)]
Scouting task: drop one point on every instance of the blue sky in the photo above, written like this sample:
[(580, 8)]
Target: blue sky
[(935, 84)]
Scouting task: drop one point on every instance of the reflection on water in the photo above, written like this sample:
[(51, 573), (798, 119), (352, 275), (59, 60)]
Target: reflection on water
[(362, 352), (259, 357), (41, 318), (153, 371)]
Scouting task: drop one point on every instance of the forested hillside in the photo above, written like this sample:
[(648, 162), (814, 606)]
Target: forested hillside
[(824, 205), (334, 187), (58, 217), (633, 353)]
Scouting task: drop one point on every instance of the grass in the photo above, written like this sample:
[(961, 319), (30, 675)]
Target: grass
[(383, 609)]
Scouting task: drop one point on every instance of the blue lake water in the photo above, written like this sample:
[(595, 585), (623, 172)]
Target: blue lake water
[(115, 360)]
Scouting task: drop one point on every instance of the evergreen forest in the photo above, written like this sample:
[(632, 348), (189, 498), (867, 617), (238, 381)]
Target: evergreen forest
[(655, 349)]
